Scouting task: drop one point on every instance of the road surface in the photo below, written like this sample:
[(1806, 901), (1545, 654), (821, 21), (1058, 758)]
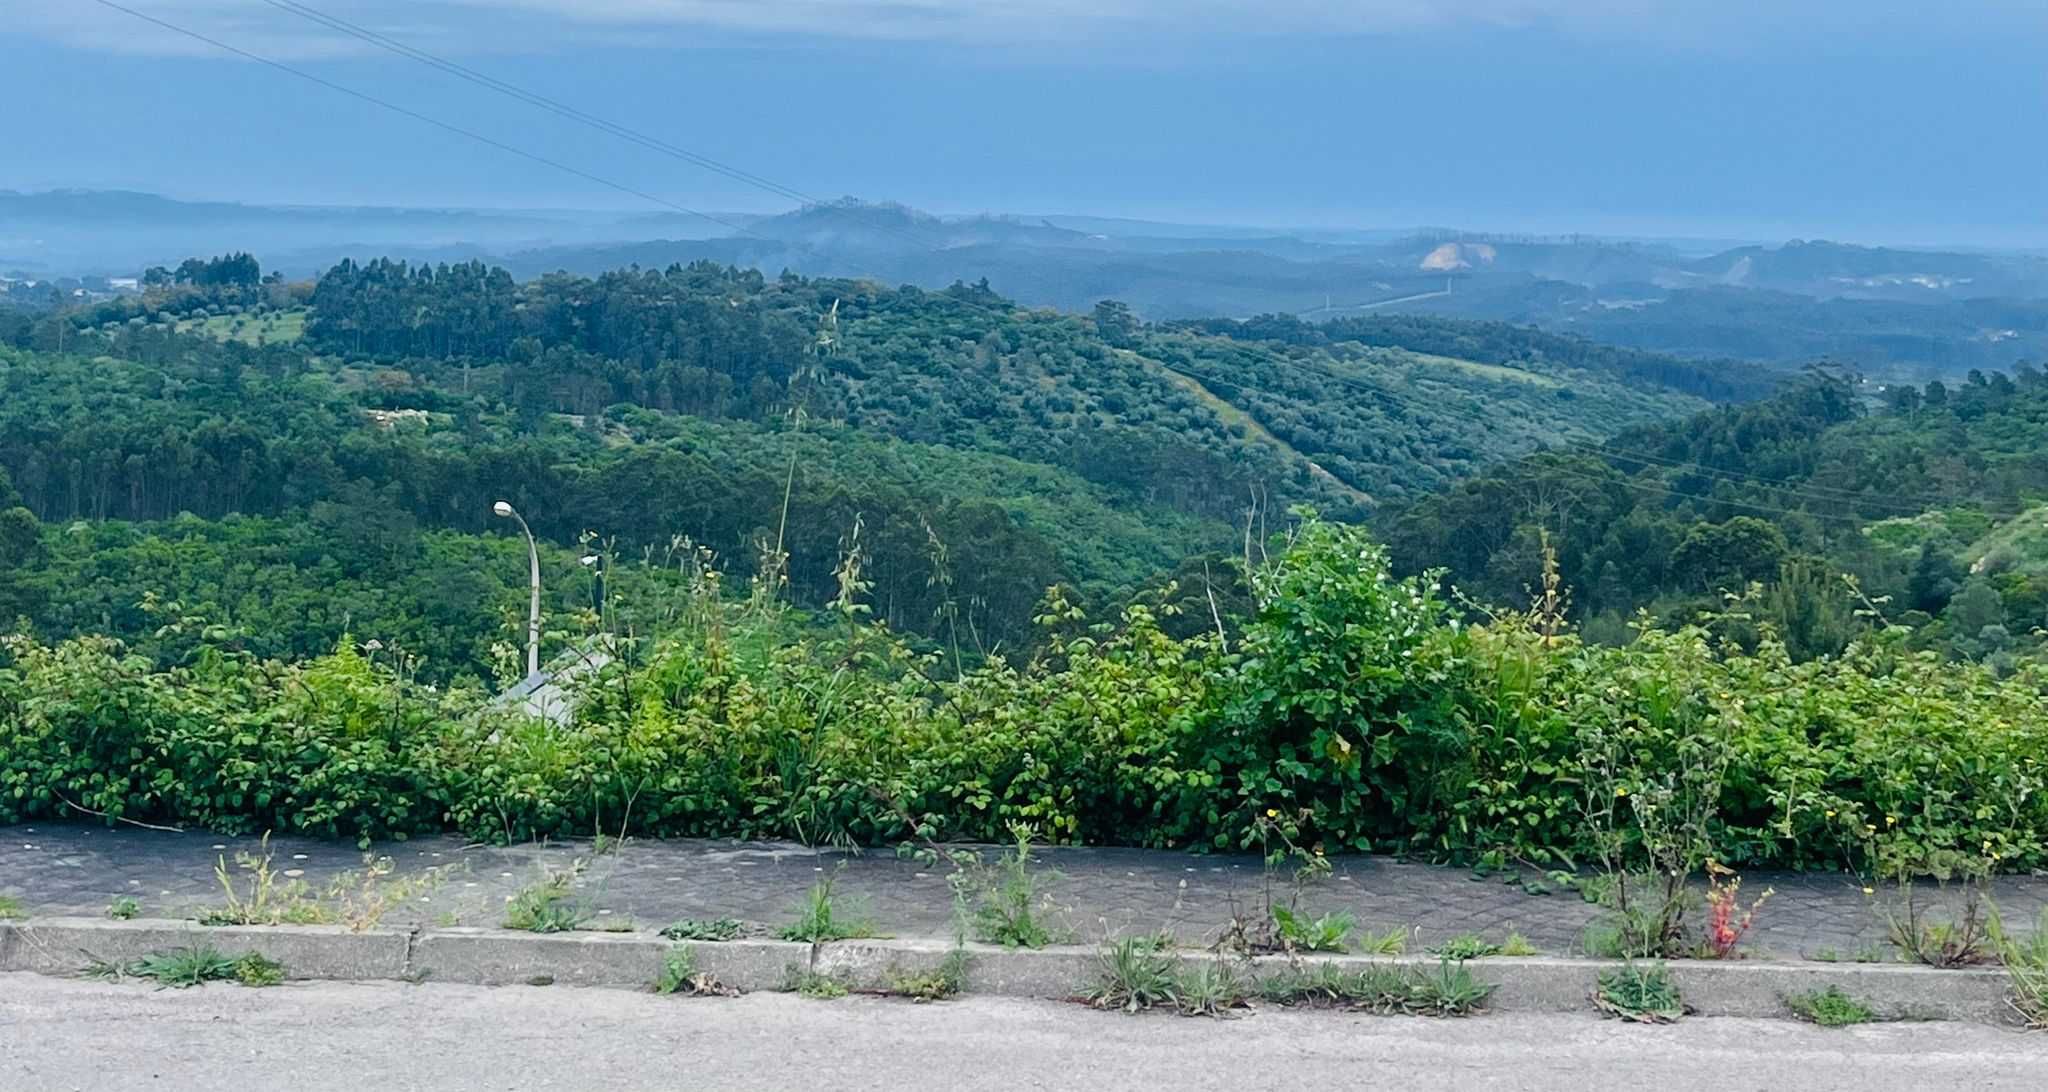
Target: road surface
[(58, 1034)]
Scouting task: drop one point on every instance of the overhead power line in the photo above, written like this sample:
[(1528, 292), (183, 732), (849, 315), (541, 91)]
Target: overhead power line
[(562, 109), (468, 134)]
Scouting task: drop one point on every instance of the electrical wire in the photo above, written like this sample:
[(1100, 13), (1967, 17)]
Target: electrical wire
[(437, 123), (563, 110)]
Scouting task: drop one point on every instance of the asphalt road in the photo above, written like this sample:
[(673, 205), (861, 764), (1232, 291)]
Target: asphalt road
[(58, 1034)]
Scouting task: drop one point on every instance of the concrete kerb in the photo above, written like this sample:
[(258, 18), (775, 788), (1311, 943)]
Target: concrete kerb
[(634, 960), (70, 945)]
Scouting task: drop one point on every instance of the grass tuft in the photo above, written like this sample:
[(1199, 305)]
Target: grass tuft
[(1644, 994), (1830, 1008), (1136, 973), (823, 917)]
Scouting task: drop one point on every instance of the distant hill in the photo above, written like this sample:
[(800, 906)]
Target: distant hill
[(1895, 312)]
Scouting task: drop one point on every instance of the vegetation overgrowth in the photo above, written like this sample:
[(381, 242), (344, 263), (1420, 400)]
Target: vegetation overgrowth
[(1351, 710)]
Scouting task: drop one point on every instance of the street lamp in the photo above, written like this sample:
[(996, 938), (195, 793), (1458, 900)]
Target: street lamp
[(504, 510)]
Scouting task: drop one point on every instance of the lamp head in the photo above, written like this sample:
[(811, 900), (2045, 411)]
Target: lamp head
[(503, 509)]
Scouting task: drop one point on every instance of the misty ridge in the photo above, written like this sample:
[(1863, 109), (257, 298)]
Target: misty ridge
[(1891, 311)]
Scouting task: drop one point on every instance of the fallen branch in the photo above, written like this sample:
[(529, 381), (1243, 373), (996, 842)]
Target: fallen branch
[(118, 818)]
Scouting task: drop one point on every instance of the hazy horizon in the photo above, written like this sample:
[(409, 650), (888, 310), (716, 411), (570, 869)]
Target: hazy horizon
[(1874, 124)]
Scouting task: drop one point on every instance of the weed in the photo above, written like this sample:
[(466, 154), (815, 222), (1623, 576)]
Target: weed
[(1208, 989), (937, 984), (270, 899), (1306, 984), (1136, 973), (1392, 941), (181, 968), (362, 897), (255, 969), (11, 908), (1727, 920), (1957, 939), (1830, 1008), (125, 908), (814, 985), (679, 975), (1657, 818), (823, 918), (712, 930), (678, 966), (1450, 990), (1006, 896), (1518, 946), (1300, 933), (1466, 946), (2026, 968), (549, 906), (1643, 993), (100, 970)]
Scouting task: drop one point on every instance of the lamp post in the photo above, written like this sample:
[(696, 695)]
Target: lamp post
[(504, 510)]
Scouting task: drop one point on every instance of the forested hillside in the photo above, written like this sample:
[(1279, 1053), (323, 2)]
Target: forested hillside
[(1930, 498), (292, 461)]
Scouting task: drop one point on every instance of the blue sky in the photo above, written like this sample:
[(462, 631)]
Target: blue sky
[(1876, 121)]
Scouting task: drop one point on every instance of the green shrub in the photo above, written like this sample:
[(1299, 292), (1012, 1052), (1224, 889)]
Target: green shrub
[(1351, 711)]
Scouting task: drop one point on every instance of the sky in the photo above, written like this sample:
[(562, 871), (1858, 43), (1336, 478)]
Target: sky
[(1877, 121)]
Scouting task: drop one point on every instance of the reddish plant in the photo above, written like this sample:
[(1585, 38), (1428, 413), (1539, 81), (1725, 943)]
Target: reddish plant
[(1727, 920)]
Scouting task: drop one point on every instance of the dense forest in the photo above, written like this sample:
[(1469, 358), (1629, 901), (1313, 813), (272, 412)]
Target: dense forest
[(291, 461), (1929, 499)]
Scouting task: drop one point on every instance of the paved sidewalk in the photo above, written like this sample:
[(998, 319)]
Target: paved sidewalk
[(77, 869)]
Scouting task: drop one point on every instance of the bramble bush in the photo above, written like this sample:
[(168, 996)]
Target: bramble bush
[(1352, 710)]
